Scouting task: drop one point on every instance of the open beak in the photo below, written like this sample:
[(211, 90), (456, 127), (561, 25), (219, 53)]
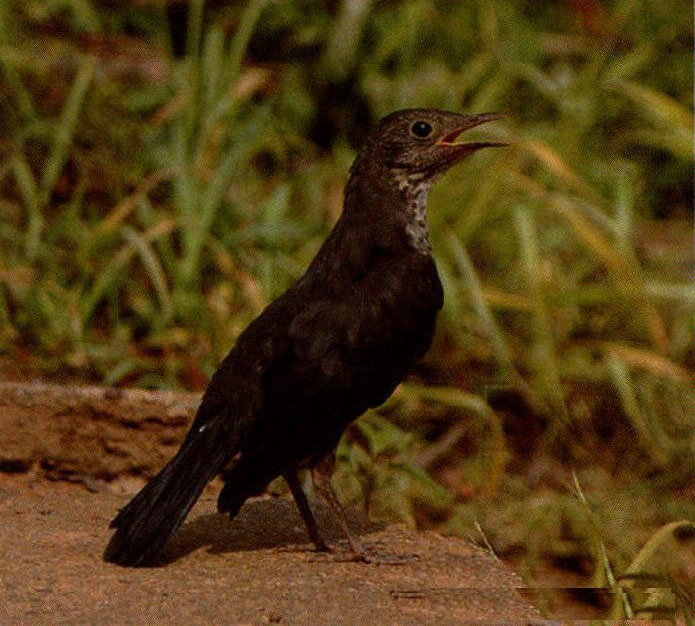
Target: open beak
[(450, 139)]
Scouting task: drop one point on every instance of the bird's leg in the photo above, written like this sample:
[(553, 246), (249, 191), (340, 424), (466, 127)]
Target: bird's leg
[(303, 506), (321, 475)]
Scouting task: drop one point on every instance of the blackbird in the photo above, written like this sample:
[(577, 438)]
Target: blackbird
[(336, 343)]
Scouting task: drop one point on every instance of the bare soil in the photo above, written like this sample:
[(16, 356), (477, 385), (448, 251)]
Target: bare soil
[(256, 569)]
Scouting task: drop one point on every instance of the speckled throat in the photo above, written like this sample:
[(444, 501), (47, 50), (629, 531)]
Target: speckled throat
[(414, 188)]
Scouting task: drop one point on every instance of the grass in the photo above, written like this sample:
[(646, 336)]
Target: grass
[(152, 204)]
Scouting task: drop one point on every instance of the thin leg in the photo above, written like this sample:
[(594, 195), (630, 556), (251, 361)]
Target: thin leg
[(321, 475), (303, 506)]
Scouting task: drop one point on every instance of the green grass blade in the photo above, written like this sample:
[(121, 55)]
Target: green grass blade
[(622, 605), (212, 68), (25, 103), (657, 106), (211, 199), (672, 120), (83, 14), (247, 24), (343, 45), (475, 292), (108, 279), (546, 363), (626, 190), (30, 197), (194, 27), (66, 125), (22, 95), (154, 269), (105, 281)]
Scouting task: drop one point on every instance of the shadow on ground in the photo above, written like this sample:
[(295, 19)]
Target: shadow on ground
[(262, 524)]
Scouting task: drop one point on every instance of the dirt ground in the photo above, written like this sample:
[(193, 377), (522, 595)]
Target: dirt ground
[(256, 569), (70, 456)]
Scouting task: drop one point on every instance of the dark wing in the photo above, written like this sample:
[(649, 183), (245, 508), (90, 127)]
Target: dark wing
[(235, 392)]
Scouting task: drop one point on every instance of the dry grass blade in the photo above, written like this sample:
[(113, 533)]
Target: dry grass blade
[(683, 293), (651, 362), (559, 166), (627, 275), (622, 382), (659, 538), (125, 207), (654, 592), (623, 603)]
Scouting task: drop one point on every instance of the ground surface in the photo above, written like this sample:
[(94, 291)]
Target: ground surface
[(254, 570), (73, 455)]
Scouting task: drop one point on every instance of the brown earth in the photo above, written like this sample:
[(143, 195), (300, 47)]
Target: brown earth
[(89, 434), (256, 569)]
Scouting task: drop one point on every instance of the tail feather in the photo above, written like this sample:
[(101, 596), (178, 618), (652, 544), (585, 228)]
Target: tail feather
[(149, 519)]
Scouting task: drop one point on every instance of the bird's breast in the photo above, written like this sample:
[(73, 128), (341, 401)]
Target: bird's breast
[(396, 310)]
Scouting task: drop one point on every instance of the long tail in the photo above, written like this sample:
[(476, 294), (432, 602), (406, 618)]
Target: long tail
[(148, 520)]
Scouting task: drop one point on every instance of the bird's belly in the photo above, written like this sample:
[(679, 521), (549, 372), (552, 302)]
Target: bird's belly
[(364, 379)]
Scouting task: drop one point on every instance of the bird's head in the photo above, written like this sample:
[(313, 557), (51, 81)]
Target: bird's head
[(424, 143)]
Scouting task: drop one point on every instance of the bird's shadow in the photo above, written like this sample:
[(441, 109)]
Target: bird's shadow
[(263, 523)]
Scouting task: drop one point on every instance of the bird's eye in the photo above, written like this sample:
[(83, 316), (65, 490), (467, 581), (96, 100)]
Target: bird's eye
[(421, 129)]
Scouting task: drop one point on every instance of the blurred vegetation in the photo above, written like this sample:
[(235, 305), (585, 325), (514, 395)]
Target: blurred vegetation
[(168, 168)]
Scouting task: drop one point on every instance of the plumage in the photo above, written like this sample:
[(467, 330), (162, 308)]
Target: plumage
[(333, 345)]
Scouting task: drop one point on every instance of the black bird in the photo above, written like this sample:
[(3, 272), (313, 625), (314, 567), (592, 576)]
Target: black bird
[(333, 345)]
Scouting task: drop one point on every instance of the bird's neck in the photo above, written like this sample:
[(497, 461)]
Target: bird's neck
[(414, 189), (383, 218), (390, 203)]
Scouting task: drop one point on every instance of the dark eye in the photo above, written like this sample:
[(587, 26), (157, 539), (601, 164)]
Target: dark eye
[(421, 129)]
